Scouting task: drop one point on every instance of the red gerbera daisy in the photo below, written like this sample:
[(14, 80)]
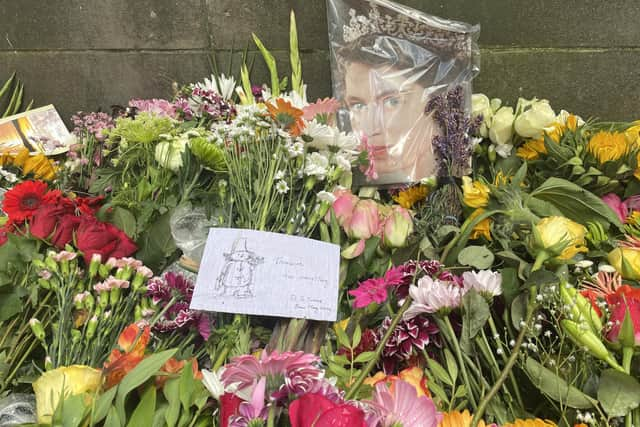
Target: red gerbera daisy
[(22, 200)]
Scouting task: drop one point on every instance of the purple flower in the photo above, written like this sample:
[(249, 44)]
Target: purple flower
[(409, 336), (92, 123)]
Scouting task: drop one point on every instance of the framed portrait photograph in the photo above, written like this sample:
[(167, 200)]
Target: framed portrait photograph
[(387, 62)]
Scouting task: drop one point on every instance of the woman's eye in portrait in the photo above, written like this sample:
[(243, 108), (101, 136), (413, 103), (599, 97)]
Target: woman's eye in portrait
[(357, 107), (391, 101)]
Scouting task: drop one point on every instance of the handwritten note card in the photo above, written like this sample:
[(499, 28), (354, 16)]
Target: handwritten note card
[(270, 274)]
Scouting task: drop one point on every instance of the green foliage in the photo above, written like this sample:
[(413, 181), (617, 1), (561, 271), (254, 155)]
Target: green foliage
[(11, 94), (618, 393), (555, 387)]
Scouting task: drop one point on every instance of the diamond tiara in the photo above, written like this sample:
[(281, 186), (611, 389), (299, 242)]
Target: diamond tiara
[(454, 43)]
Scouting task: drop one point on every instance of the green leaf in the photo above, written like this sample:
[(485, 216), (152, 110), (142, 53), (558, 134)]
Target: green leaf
[(188, 386), (103, 403), (343, 339), (438, 391), (338, 370), (73, 410), (542, 208), (365, 357), (510, 284), (476, 256), (124, 220), (576, 203), (7, 85), (156, 244), (555, 387), (618, 393), (271, 65), (138, 376), (112, 418), (171, 391), (475, 314), (143, 414), (452, 366), (439, 372), (11, 302), (159, 416), (519, 310), (357, 336)]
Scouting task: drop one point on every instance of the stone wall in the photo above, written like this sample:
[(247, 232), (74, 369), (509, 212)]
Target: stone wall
[(583, 55)]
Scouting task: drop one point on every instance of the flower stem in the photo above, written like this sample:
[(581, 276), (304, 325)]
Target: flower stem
[(627, 356), (272, 416), (531, 308), (458, 350), (367, 369)]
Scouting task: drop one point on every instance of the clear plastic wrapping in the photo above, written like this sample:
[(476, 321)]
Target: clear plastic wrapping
[(387, 61), (17, 409)]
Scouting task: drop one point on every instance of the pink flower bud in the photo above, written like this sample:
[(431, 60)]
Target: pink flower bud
[(365, 221), (397, 227), (343, 206)]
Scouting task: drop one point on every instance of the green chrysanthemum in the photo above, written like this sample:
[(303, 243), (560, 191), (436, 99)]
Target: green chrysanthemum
[(211, 156)]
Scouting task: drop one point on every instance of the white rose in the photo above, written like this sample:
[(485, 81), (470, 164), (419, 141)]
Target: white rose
[(533, 120), (501, 130), (480, 105)]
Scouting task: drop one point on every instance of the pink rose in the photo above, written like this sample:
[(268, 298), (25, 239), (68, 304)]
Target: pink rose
[(615, 203), (364, 221)]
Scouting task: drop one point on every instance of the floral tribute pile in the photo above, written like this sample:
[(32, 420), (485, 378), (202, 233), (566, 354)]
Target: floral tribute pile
[(523, 309)]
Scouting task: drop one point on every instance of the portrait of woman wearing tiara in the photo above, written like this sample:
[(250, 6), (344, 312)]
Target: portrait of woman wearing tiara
[(385, 70)]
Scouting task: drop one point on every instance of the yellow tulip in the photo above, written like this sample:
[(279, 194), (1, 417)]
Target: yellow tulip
[(61, 382), (563, 237), (626, 260), (475, 193)]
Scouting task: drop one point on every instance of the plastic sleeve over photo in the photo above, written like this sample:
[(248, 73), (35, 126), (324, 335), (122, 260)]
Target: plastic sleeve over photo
[(387, 62)]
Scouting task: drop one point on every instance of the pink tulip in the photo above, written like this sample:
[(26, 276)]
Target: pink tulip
[(615, 203), (397, 227), (354, 250), (343, 206), (364, 221)]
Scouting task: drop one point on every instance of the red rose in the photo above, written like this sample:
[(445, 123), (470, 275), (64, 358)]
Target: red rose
[(315, 410), (229, 405), (67, 225), (89, 205), (45, 219), (95, 237)]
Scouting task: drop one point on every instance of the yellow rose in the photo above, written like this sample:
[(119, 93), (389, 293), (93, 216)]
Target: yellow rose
[(483, 228), (626, 260), (476, 194), (608, 146), (65, 381), (637, 172), (563, 237)]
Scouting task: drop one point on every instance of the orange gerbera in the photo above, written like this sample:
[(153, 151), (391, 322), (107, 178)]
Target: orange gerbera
[(608, 146), (411, 195), (287, 116), (531, 150), (537, 422)]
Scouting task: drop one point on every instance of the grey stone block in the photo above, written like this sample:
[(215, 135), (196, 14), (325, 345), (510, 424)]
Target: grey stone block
[(87, 81), (114, 24), (231, 23), (591, 83)]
